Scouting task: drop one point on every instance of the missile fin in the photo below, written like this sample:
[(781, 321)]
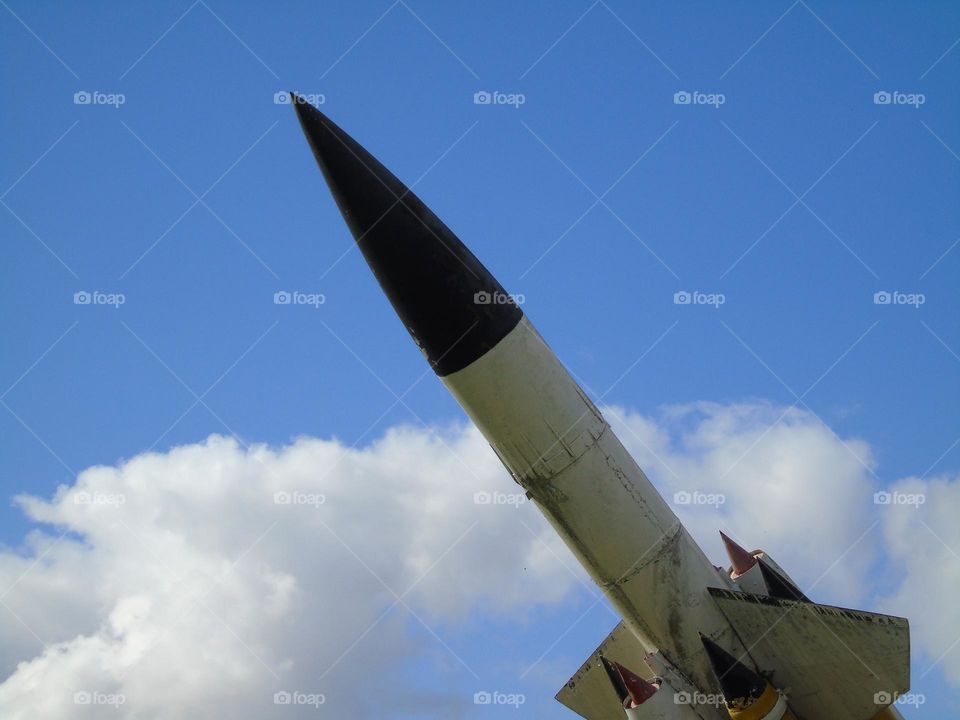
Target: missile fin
[(778, 586), (840, 657)]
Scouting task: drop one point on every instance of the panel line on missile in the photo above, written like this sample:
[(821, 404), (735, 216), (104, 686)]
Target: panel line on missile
[(661, 548)]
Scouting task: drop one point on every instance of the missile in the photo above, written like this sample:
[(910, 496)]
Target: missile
[(546, 431), (755, 572), (632, 690), (740, 560), (556, 444), (744, 567), (748, 696), (643, 699)]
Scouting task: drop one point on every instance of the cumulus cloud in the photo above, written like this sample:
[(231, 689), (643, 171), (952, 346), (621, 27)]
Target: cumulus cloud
[(923, 539), (202, 581), (770, 477)]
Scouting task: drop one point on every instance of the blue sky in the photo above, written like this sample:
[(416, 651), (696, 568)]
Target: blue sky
[(798, 198)]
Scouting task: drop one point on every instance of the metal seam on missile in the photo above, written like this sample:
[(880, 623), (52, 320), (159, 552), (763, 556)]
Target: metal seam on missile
[(541, 473), (661, 548)]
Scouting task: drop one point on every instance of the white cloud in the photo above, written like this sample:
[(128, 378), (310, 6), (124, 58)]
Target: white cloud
[(923, 540), (184, 588), (787, 483)]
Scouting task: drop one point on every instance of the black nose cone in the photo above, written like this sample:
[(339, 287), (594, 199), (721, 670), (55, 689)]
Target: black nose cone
[(454, 309), (741, 685)]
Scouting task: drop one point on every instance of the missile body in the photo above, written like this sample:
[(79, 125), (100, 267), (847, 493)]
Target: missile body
[(546, 431), (557, 446)]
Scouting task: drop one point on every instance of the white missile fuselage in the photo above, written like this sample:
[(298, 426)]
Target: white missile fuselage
[(558, 447)]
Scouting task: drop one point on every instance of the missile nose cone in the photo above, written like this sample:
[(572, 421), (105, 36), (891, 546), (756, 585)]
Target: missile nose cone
[(740, 685), (628, 684), (740, 559), (615, 678), (451, 305), (638, 688)]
